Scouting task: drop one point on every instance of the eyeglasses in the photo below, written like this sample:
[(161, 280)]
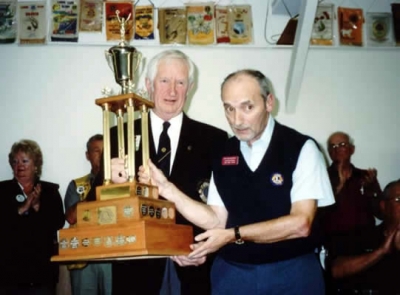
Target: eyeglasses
[(338, 145), (396, 199)]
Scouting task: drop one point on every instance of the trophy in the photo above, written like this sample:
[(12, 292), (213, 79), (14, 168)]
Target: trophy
[(123, 59), (127, 220)]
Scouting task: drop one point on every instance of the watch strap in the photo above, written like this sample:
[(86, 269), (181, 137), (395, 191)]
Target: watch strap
[(238, 237)]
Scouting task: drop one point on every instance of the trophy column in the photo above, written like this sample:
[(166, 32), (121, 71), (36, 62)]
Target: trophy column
[(125, 104)]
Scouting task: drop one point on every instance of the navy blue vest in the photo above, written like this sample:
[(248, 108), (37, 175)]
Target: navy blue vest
[(261, 195)]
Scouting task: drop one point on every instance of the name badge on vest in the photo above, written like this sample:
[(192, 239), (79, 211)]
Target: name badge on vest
[(230, 161)]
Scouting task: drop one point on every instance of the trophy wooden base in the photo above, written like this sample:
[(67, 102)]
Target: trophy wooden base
[(124, 228), (143, 239)]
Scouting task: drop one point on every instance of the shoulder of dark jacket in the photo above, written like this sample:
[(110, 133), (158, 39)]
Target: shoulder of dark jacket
[(49, 185)]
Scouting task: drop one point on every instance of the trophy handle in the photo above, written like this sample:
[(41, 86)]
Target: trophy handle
[(109, 59), (139, 60)]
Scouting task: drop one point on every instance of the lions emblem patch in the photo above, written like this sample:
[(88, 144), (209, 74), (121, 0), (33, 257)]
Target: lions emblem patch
[(80, 189), (277, 179)]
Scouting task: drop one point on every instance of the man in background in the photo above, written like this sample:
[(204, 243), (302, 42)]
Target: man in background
[(355, 190), (87, 278), (368, 261)]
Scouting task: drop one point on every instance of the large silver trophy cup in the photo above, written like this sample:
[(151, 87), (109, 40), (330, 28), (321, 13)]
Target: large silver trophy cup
[(124, 59)]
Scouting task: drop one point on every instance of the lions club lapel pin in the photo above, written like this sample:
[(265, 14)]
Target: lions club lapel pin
[(277, 179)]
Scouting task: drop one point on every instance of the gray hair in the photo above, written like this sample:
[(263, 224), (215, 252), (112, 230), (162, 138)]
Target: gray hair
[(265, 84), (349, 139), (152, 68)]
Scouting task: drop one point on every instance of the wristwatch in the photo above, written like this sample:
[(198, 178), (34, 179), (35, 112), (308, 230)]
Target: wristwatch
[(238, 237)]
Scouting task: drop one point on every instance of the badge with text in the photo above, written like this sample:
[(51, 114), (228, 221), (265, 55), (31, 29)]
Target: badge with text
[(151, 211), (143, 209), (120, 240), (86, 242), (131, 239), (74, 243), (230, 161), (63, 244), (158, 213), (97, 241), (128, 211), (164, 212)]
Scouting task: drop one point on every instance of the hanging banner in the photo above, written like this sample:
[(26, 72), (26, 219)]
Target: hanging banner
[(144, 22), (8, 28), (32, 27), (379, 29), (64, 16), (113, 25), (221, 24), (322, 31), (91, 16), (350, 22), (200, 23), (172, 25), (240, 24)]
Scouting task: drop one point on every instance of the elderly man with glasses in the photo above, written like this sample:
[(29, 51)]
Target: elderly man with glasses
[(355, 190), (356, 194), (368, 261)]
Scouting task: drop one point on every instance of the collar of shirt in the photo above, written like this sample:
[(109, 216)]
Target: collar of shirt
[(92, 177), (254, 154), (22, 189), (174, 131)]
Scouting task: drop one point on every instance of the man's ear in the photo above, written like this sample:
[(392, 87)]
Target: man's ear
[(270, 103), (190, 87), (87, 155), (148, 86), (382, 207), (352, 149)]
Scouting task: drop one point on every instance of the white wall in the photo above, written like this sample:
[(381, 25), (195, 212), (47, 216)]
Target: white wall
[(48, 93)]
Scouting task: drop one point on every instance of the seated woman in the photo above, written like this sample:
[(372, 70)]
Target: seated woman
[(32, 212)]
